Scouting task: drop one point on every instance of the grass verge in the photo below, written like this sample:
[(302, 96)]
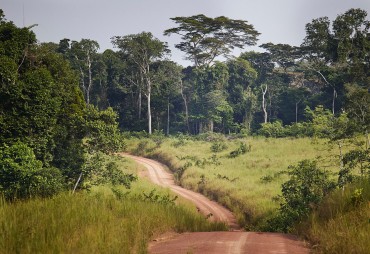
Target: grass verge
[(101, 221), (341, 224)]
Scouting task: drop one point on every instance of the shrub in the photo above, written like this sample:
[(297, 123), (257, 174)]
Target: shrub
[(242, 149), (218, 147), (275, 130), (22, 175), (306, 187)]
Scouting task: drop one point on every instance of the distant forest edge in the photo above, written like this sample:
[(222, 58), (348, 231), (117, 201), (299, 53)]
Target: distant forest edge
[(63, 105), (283, 85)]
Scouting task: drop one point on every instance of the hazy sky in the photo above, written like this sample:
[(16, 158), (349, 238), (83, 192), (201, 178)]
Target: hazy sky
[(278, 21)]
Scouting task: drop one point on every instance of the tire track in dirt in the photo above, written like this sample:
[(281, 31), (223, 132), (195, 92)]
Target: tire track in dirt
[(211, 209), (232, 242)]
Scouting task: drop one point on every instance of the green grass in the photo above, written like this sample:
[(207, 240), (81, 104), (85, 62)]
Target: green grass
[(237, 182), (95, 222), (341, 224)]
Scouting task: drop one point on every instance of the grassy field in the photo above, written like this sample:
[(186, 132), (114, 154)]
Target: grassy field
[(341, 224), (249, 183), (99, 221)]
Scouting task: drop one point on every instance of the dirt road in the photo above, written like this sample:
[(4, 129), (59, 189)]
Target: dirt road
[(232, 242)]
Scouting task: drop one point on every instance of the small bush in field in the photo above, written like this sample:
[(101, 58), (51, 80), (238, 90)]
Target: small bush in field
[(242, 149), (218, 147)]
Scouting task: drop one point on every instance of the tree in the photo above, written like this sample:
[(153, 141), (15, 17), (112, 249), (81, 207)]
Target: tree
[(283, 55), (338, 54), (142, 49), (207, 80), (82, 56), (167, 79), (204, 38), (84, 53), (242, 77), (358, 108)]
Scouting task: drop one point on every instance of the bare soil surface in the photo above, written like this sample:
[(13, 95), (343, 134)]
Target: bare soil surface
[(234, 241)]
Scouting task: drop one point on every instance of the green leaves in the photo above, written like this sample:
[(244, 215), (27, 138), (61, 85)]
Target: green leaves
[(206, 38), (102, 131), (22, 175), (306, 187)]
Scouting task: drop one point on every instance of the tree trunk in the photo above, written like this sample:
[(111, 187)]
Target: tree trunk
[(78, 181), (211, 124), (168, 117), (139, 103), (334, 96), (264, 104), (149, 112), (90, 80), (296, 111), (186, 108)]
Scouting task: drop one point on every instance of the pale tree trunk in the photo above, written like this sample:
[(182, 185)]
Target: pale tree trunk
[(90, 80), (168, 117), (211, 124), (139, 103), (149, 109), (296, 111), (83, 81), (264, 104), (186, 107), (78, 181), (334, 96)]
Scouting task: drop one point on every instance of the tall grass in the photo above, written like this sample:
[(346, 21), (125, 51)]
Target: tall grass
[(249, 183), (94, 222), (341, 224)]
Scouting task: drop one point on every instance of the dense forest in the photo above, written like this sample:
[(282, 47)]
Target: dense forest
[(279, 85), (62, 104)]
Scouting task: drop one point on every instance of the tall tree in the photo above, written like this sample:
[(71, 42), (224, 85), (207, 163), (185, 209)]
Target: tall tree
[(205, 38), (241, 97), (168, 78), (338, 54), (143, 49), (284, 55), (82, 55)]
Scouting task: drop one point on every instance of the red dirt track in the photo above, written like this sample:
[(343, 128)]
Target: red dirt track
[(232, 242)]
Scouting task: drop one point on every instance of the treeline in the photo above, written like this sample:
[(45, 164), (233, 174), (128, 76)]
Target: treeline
[(49, 136), (150, 92)]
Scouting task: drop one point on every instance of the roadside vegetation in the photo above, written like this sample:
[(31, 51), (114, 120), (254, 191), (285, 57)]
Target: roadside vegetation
[(107, 219)]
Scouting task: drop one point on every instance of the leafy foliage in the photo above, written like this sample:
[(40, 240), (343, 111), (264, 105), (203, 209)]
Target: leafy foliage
[(242, 149), (206, 38), (22, 175), (301, 193)]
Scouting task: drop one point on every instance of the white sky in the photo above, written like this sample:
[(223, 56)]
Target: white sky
[(278, 21)]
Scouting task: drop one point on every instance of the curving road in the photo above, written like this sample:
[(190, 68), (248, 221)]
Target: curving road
[(232, 242)]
